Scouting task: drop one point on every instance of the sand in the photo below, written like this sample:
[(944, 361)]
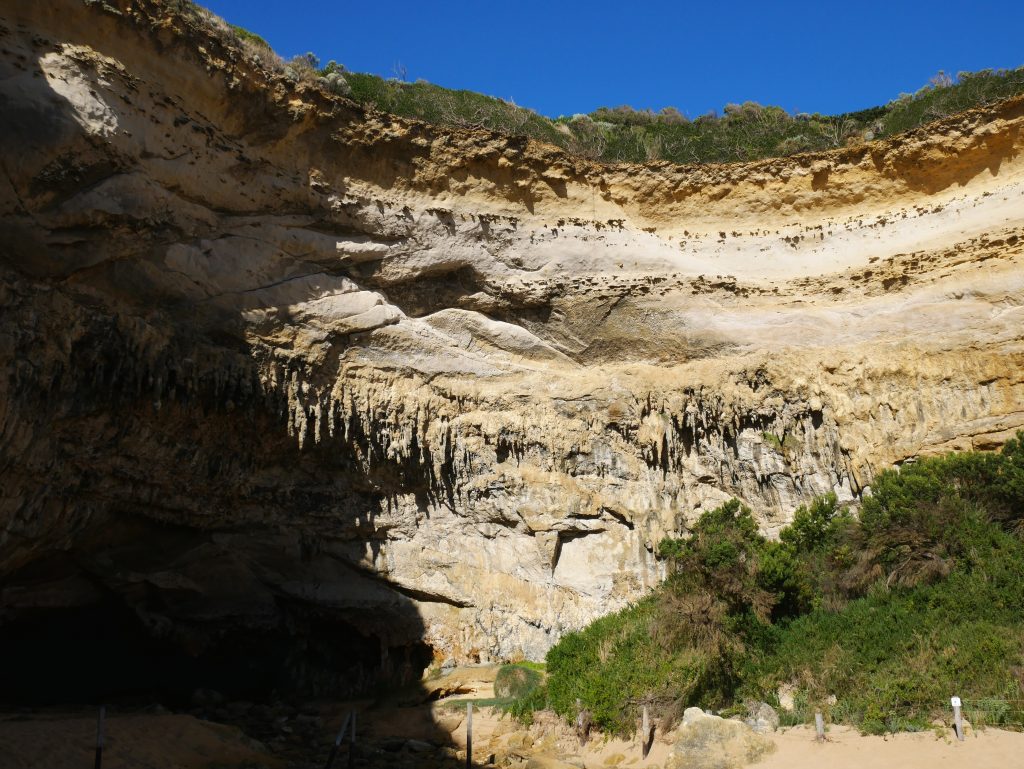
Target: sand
[(169, 741), (847, 749), (158, 741)]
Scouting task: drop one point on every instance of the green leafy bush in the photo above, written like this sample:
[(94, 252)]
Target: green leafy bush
[(463, 109), (516, 681), (940, 99), (243, 34), (818, 526), (614, 665), (895, 657)]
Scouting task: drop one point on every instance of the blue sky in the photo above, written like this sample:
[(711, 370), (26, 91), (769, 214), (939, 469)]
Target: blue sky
[(566, 57)]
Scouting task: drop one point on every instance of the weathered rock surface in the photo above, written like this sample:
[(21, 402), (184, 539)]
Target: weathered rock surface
[(272, 359), (711, 742), (762, 718)]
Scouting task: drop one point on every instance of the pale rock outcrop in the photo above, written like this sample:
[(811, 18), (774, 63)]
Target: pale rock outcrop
[(707, 741), (762, 718)]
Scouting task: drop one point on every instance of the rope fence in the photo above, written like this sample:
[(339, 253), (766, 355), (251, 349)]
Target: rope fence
[(994, 711), (977, 712)]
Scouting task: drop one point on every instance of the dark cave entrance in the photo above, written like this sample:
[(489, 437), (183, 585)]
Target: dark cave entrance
[(105, 653), (152, 613)]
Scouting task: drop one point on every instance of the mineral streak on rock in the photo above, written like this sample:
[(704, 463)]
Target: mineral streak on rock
[(264, 344)]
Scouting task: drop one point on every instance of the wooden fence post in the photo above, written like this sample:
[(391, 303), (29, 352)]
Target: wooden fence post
[(337, 742), (958, 720), (582, 723), (352, 743), (99, 737), (469, 735), (647, 734), (819, 726)]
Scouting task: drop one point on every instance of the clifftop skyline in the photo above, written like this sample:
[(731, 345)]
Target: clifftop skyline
[(574, 57)]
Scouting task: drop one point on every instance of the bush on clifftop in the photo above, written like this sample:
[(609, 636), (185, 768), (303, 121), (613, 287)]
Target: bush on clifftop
[(747, 131)]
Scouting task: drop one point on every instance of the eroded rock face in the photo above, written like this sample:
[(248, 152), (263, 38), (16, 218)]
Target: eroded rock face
[(447, 384)]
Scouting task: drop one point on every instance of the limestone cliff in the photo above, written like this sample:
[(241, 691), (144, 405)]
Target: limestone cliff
[(269, 354)]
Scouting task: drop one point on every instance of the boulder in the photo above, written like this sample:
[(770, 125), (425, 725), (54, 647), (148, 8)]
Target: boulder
[(550, 762), (762, 718), (522, 740), (712, 742), (786, 697), (206, 697), (419, 746)]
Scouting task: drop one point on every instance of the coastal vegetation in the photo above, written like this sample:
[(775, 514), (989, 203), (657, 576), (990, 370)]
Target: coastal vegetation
[(874, 619), (740, 132)]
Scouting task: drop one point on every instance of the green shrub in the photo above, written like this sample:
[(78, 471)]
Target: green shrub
[(516, 682), (243, 34), (463, 109), (614, 665), (938, 100), (522, 708), (898, 657), (818, 526)]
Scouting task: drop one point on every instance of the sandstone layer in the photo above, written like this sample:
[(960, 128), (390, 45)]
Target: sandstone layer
[(274, 359)]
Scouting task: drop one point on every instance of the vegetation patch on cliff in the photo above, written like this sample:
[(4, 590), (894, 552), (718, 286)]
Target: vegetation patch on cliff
[(747, 131), (875, 620)]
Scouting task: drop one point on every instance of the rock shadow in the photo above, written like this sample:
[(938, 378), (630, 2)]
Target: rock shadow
[(165, 541)]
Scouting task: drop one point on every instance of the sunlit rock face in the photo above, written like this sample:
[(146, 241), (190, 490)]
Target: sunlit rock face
[(272, 359)]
